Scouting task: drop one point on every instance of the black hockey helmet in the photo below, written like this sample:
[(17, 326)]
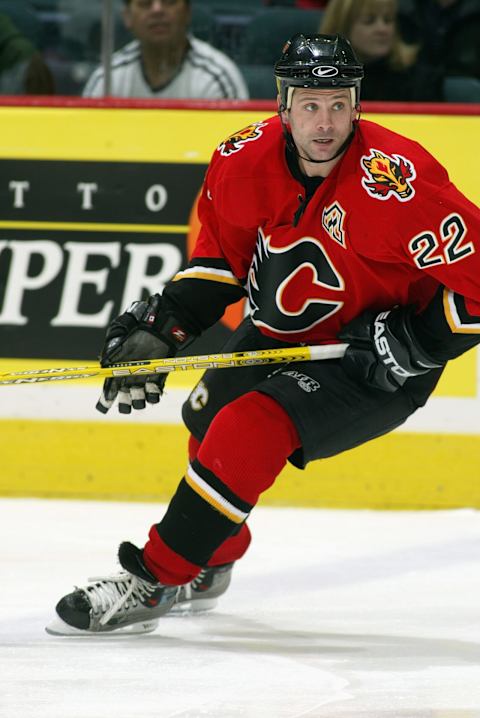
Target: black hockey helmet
[(319, 61)]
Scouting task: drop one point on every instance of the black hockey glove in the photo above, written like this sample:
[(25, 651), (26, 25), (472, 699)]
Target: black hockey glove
[(144, 331), (383, 350)]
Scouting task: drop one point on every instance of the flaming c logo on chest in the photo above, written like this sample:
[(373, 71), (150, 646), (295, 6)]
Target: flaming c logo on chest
[(388, 176), (235, 142)]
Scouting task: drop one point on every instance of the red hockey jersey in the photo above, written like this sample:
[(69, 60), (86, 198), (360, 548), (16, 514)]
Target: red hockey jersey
[(385, 228)]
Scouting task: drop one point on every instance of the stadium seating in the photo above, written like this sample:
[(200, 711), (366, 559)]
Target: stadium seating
[(461, 89), (260, 81), (23, 16), (268, 30)]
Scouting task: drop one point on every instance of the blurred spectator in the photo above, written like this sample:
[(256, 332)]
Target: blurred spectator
[(448, 32), (22, 68), (165, 61), (392, 70)]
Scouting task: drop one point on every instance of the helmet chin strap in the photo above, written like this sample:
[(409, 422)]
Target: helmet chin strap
[(293, 147)]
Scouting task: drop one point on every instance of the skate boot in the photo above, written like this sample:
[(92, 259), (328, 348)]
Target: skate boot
[(130, 602), (201, 594)]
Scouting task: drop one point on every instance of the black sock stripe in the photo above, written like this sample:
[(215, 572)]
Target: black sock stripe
[(192, 527), (217, 485)]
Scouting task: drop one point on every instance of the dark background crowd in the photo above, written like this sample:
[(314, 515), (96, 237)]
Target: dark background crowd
[(413, 50)]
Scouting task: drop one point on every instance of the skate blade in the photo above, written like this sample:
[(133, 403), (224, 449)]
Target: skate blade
[(59, 628), (198, 605)]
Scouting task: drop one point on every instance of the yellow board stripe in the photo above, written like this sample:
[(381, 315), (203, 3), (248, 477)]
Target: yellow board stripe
[(113, 135), (98, 227), (398, 471), (212, 497)]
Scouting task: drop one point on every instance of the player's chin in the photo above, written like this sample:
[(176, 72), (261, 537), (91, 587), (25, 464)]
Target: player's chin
[(325, 146), (323, 150)]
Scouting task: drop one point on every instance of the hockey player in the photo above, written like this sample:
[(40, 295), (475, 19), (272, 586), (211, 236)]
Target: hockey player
[(338, 229)]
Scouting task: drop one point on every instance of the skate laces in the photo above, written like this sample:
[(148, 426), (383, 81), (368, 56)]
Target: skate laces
[(108, 595), (197, 581), (189, 588)]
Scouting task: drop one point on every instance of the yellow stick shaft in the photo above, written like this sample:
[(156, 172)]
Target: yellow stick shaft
[(161, 366)]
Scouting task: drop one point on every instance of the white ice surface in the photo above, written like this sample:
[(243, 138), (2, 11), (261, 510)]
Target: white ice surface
[(331, 614)]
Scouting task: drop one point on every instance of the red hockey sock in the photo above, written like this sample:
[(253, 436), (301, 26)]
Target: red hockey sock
[(245, 448), (167, 565), (171, 569), (234, 547), (248, 444)]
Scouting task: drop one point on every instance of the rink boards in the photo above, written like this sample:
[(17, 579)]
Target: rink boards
[(53, 442), (56, 445)]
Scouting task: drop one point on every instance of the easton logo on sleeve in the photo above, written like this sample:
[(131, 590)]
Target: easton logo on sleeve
[(388, 176)]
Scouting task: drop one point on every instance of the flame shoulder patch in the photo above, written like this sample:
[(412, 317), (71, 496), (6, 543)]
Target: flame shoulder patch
[(388, 175), (235, 142)]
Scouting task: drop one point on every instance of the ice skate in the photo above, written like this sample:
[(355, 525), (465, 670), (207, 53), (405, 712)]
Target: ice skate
[(201, 594), (131, 601)]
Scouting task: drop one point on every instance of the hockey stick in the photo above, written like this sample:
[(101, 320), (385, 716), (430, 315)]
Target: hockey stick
[(162, 366)]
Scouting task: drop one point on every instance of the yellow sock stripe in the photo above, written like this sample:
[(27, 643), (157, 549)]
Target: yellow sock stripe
[(213, 498)]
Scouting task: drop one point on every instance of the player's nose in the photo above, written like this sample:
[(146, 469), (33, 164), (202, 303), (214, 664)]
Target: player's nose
[(324, 120)]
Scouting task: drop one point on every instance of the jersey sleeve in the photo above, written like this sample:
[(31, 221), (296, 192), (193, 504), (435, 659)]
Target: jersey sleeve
[(448, 249), (200, 293)]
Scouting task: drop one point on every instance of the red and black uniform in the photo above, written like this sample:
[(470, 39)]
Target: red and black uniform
[(385, 228)]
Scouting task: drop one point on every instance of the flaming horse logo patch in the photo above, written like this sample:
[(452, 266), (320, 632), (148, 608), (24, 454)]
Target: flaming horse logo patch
[(235, 142), (388, 176)]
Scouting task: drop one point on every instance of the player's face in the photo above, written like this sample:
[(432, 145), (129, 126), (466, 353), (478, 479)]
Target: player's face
[(158, 22), (320, 122), (373, 32)]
